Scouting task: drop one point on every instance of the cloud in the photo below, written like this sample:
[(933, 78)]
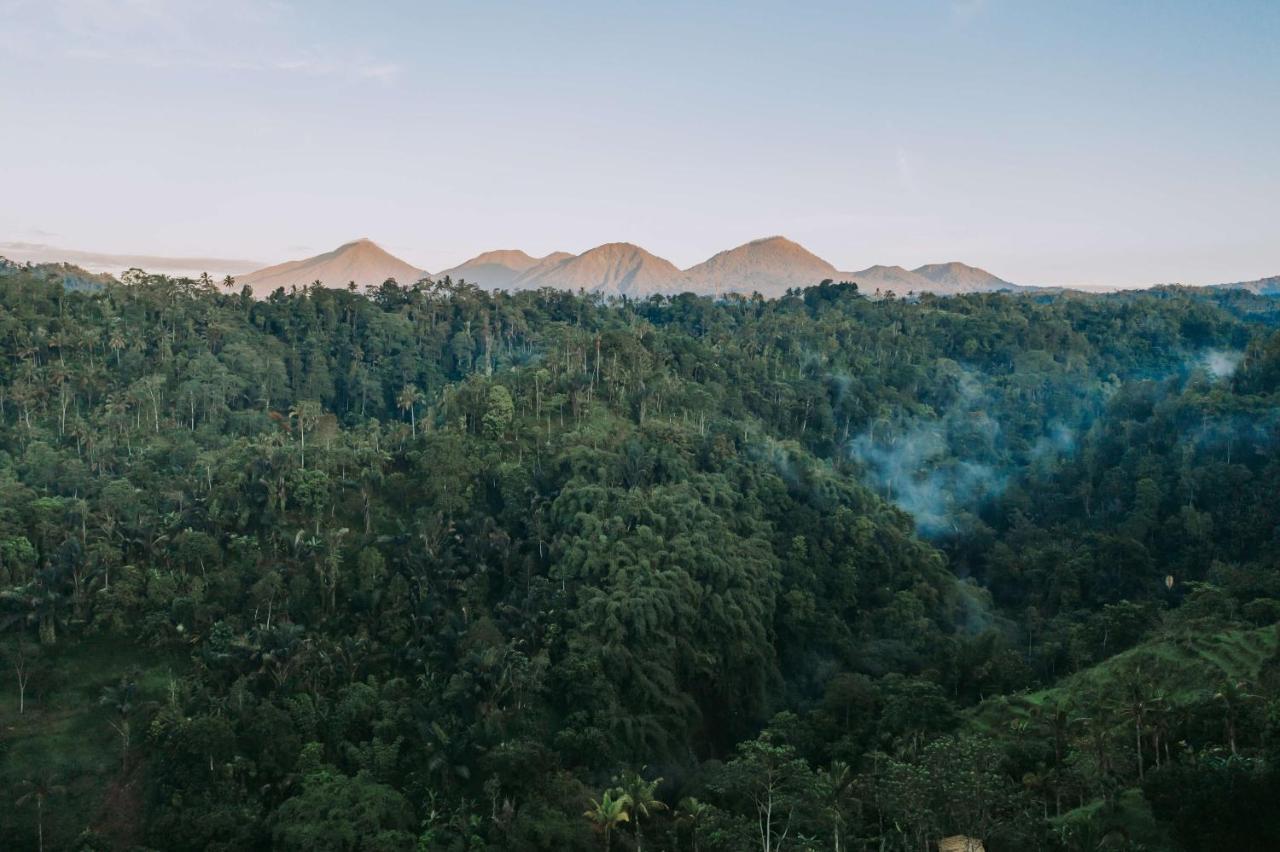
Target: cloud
[(32, 252), (906, 171), (229, 36), (966, 10)]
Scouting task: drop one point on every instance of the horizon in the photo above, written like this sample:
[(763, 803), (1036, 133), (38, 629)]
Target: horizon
[(191, 267), (1082, 146)]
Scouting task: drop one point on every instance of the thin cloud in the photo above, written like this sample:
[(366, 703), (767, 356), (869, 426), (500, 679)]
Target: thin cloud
[(966, 10), (231, 36), (23, 252), (906, 171)]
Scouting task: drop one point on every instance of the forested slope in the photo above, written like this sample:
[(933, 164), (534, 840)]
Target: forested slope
[(445, 569)]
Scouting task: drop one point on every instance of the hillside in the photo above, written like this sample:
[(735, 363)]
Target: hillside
[(615, 269), (474, 565), (893, 279), (361, 261), (70, 276), (1262, 286), (105, 263), (958, 277), (769, 266), (496, 270)]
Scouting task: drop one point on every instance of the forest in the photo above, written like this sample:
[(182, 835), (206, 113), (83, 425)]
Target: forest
[(436, 568)]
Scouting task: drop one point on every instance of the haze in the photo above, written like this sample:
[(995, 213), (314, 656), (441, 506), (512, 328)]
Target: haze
[(1083, 143)]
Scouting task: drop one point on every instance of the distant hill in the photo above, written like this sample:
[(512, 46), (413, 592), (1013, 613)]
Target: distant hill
[(613, 269), (962, 278), (361, 261), (1262, 286), (768, 266), (72, 277), (498, 270), (892, 279), (96, 263)]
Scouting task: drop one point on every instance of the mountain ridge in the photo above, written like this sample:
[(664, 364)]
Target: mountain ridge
[(618, 269), (769, 266), (361, 261), (498, 269), (1269, 286)]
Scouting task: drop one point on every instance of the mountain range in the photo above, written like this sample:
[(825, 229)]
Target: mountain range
[(769, 266)]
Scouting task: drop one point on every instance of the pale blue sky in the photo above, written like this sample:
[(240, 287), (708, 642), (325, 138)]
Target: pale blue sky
[(1050, 142)]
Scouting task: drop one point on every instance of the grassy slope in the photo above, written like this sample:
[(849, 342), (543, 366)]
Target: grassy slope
[(1191, 663), (66, 733)]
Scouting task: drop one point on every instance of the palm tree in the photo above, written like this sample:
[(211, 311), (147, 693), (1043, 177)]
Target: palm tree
[(608, 813), (116, 343), (838, 784), (1233, 695), (408, 400), (122, 699), (228, 283), (1056, 721), (39, 791), (1141, 698), (640, 793), (692, 813), (305, 411)]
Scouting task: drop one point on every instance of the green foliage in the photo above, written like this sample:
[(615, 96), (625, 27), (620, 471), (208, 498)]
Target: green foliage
[(428, 567), (340, 813)]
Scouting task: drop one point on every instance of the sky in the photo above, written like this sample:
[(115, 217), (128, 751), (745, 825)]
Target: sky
[(1052, 143)]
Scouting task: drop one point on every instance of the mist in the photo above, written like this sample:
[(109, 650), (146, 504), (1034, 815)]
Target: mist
[(1221, 363)]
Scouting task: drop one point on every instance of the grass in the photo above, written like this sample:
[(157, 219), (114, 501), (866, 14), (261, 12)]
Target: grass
[(65, 735), (1131, 818), (1189, 665)]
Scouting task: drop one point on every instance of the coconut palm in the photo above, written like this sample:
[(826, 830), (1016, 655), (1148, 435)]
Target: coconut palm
[(122, 699), (1233, 695), (39, 790), (408, 400), (643, 801), (607, 813), (117, 343), (306, 412), (692, 813), (837, 784)]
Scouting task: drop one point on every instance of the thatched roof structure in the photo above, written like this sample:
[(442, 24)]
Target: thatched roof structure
[(960, 843)]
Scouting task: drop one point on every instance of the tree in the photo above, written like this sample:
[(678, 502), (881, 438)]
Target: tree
[(608, 813), (692, 814), (640, 794), (24, 661), (1141, 699), (306, 412), (773, 780), (836, 784), (1234, 696), (39, 790), (335, 812), (498, 413), (408, 400), (122, 699)]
